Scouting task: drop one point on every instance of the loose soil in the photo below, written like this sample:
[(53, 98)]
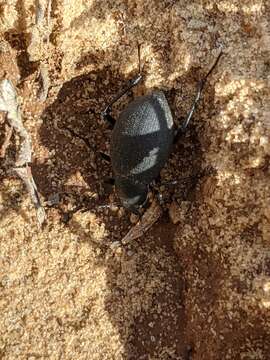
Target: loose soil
[(197, 285)]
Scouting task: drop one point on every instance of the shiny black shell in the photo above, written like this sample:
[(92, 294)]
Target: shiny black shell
[(142, 138)]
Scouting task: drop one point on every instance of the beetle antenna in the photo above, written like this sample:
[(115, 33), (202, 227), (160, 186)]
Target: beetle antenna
[(139, 57), (201, 84), (203, 81)]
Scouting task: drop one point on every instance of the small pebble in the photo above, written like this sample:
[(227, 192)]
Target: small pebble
[(120, 212), (115, 245), (175, 213)]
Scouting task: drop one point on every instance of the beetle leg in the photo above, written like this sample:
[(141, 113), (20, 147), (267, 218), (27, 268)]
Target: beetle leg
[(182, 128), (131, 83), (105, 157), (106, 112)]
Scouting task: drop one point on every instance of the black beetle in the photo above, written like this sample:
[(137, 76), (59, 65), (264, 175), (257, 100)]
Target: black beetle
[(142, 140)]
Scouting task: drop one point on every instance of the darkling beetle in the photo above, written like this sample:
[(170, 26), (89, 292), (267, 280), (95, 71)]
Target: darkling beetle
[(142, 140)]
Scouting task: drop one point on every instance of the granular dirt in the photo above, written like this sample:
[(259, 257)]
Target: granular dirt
[(197, 287)]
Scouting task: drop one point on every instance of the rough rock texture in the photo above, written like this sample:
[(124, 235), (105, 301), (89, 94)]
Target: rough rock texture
[(198, 289)]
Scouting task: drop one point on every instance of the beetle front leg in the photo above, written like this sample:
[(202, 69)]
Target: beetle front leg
[(107, 116), (106, 112)]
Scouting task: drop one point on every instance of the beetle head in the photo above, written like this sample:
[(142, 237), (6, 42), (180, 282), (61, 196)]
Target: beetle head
[(133, 196)]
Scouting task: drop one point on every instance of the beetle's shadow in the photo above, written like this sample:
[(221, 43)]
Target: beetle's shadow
[(73, 167), (73, 116), (72, 133)]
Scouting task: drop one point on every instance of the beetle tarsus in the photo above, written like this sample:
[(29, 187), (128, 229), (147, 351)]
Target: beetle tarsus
[(107, 116)]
